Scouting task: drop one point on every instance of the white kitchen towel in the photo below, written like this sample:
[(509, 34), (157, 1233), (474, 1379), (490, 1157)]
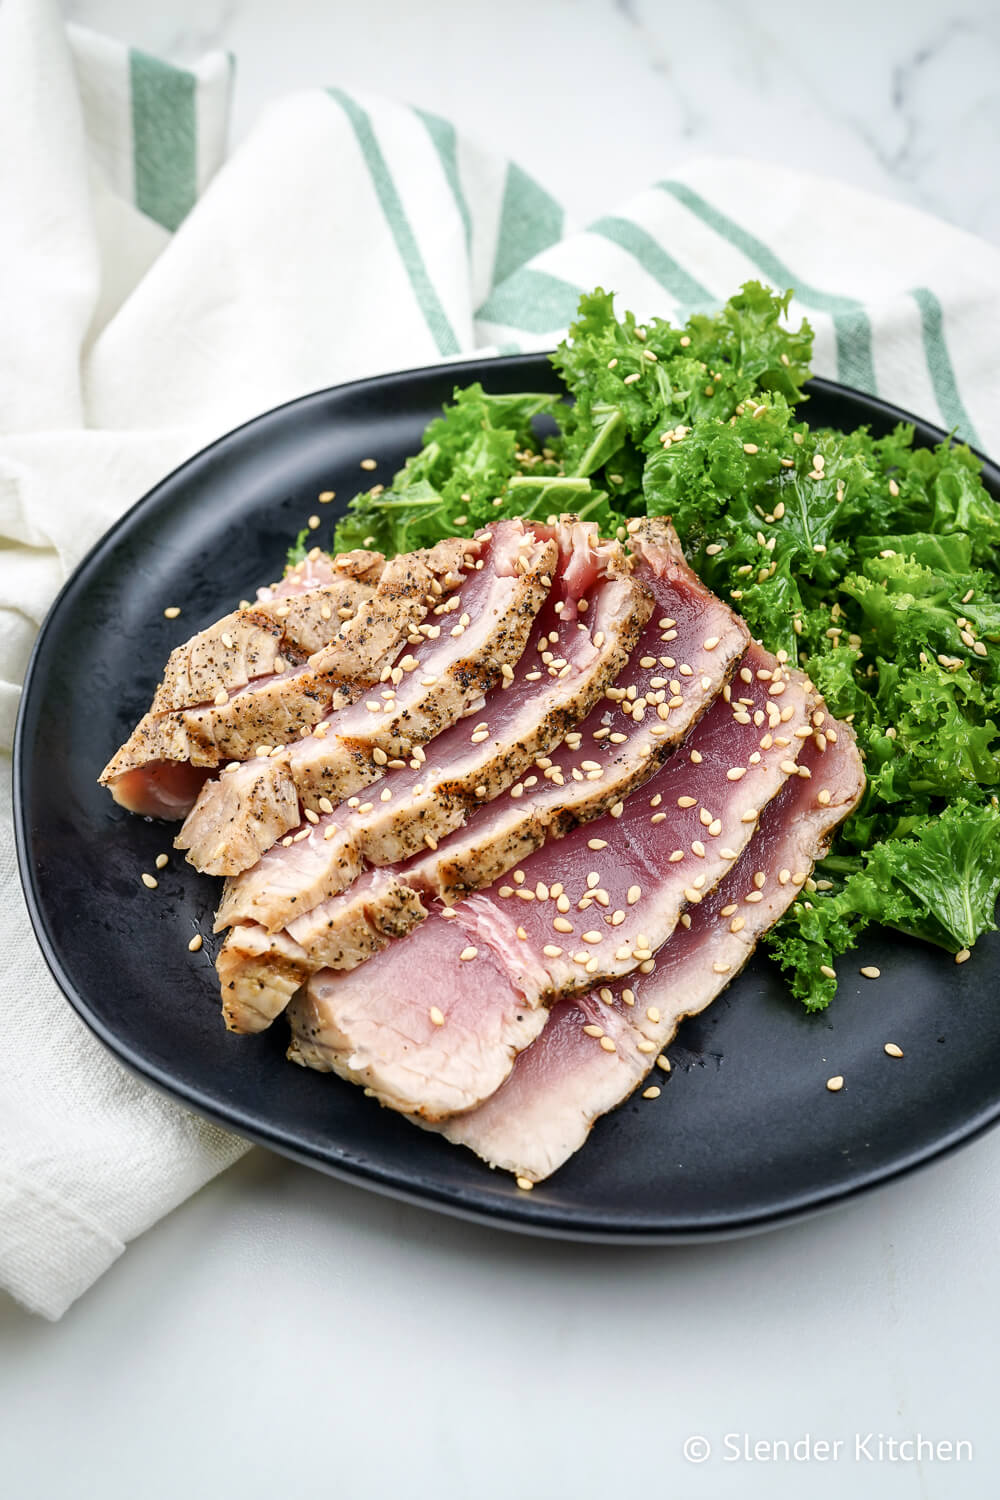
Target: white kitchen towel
[(155, 292)]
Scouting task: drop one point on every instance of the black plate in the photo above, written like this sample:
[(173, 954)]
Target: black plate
[(744, 1134)]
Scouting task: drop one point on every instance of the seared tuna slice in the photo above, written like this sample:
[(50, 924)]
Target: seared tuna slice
[(570, 659), (596, 905), (442, 677), (596, 1050), (276, 708), (259, 971), (451, 1040), (265, 638), (278, 969)]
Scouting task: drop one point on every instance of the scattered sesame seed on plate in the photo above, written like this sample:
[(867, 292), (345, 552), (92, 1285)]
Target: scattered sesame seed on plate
[(870, 971), (171, 612), (835, 1084), (892, 1049)]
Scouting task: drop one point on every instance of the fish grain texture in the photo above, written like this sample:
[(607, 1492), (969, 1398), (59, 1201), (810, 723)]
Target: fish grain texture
[(567, 1079), (664, 849)]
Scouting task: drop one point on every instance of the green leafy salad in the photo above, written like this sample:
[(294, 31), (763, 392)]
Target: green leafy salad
[(872, 562)]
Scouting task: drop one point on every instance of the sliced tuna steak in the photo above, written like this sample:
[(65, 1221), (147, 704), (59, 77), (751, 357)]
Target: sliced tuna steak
[(596, 1050), (274, 709), (241, 814), (589, 781), (596, 905), (570, 659)]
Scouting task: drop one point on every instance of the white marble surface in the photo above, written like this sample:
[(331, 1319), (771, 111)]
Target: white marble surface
[(598, 98), (284, 1334)]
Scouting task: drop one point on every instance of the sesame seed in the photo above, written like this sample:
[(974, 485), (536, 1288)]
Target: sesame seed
[(645, 1046), (736, 773), (524, 1183), (651, 1093), (962, 955), (437, 1016), (149, 881), (608, 1044), (592, 937), (171, 612), (617, 810), (631, 379), (468, 954), (892, 1049), (750, 448), (826, 970), (737, 924), (194, 945), (161, 861), (561, 924), (596, 844), (835, 1084), (369, 463), (663, 1062), (592, 1030), (552, 950)]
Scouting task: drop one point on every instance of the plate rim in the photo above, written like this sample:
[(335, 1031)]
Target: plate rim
[(524, 1213)]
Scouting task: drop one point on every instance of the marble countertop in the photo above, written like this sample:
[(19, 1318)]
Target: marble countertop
[(598, 98), (284, 1333)]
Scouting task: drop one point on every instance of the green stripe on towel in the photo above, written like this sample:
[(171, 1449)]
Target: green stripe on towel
[(442, 134), (532, 302), (402, 232), (942, 373), (530, 221), (650, 254), (855, 361), (164, 138)]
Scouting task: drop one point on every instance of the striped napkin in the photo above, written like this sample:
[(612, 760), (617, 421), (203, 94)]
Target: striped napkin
[(155, 291)]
